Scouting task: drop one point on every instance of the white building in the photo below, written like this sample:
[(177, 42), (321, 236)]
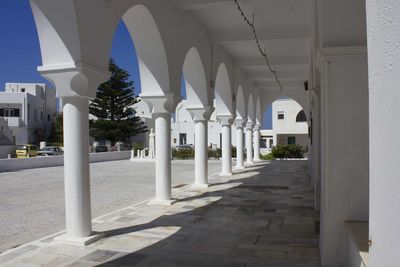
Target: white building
[(6, 139), (183, 132), (29, 109), (289, 126)]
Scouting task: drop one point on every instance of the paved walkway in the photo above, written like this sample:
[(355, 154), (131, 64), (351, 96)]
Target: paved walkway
[(260, 217), (32, 201)]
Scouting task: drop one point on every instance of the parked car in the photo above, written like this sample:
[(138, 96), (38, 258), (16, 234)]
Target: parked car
[(182, 147), (26, 151), (50, 151), (100, 148)]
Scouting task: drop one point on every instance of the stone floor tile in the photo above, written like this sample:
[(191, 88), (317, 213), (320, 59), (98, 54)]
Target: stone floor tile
[(262, 217)]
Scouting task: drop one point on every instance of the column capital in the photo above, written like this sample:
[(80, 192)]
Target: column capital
[(257, 127), (250, 125), (160, 104), (225, 120), (240, 123), (75, 80), (200, 113)]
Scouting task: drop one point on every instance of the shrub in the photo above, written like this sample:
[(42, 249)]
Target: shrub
[(267, 157), (137, 146), (187, 153), (214, 153), (288, 151), (233, 152)]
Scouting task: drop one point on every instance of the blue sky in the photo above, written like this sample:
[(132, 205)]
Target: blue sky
[(20, 51)]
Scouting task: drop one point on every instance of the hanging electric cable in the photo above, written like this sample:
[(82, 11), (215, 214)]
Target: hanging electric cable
[(263, 51)]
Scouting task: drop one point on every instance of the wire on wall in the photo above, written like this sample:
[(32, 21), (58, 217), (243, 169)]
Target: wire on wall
[(262, 50)]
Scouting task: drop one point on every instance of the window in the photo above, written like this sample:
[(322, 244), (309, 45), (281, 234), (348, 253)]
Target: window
[(48, 117), (301, 116), (263, 143), (35, 114), (291, 140), (9, 112), (281, 115), (182, 138), (41, 115), (23, 90)]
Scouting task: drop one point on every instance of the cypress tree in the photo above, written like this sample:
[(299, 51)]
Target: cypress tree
[(116, 118)]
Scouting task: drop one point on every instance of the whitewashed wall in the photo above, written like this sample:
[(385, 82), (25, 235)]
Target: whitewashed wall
[(42, 162)]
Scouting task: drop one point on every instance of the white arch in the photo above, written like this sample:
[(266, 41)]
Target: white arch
[(268, 104), (195, 78), (258, 114), (57, 47), (150, 50), (269, 96), (240, 104), (251, 109), (223, 92)]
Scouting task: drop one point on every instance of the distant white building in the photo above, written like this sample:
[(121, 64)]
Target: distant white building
[(29, 109), (6, 139), (182, 128), (289, 126)]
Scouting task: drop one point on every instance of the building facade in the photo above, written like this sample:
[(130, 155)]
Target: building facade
[(29, 109), (289, 126)]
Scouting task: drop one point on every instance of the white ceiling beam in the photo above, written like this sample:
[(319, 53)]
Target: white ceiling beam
[(263, 35), (277, 88), (269, 77), (201, 4), (268, 84), (245, 63)]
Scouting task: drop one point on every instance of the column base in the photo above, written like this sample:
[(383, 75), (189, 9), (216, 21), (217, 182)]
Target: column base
[(79, 241), (200, 186), (162, 202), (225, 174), (240, 168)]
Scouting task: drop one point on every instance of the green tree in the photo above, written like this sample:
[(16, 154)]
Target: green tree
[(116, 118), (56, 132)]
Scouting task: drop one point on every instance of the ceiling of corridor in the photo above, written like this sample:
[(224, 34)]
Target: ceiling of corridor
[(283, 27)]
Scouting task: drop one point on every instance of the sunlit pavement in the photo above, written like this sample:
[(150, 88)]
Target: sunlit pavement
[(262, 216)]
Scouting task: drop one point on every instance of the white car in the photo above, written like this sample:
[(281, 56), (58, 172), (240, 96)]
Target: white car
[(50, 151)]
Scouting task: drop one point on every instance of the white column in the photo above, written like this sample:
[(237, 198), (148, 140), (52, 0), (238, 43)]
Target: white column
[(201, 154), (226, 123), (383, 20), (200, 117), (257, 142), (239, 144), (163, 158), (162, 106), (76, 167), (75, 86), (249, 143)]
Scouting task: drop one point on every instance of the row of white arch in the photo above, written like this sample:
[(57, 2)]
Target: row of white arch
[(76, 38)]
